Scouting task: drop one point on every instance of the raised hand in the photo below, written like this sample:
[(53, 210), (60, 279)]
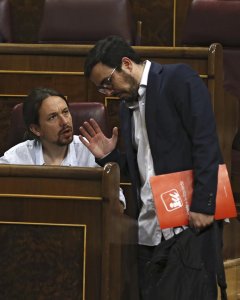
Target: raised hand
[(94, 139)]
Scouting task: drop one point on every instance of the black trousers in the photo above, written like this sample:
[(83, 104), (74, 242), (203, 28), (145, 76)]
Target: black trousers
[(145, 254)]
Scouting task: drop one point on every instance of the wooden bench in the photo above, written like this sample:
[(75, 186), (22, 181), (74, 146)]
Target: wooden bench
[(63, 235)]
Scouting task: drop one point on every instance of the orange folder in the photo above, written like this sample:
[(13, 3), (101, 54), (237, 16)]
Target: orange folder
[(172, 194)]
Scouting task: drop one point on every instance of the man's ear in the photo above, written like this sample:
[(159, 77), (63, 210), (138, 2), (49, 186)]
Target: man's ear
[(126, 63), (34, 128)]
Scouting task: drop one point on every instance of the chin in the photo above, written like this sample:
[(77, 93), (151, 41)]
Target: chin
[(64, 142), (126, 97)]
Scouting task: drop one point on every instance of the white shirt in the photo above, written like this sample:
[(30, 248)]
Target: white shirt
[(149, 232), (30, 153)]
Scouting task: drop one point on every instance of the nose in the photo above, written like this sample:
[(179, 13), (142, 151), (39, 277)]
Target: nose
[(63, 120)]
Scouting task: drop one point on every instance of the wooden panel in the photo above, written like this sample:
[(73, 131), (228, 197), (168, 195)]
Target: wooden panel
[(25, 19), (69, 230), (231, 247), (182, 8), (232, 270), (42, 261), (157, 21)]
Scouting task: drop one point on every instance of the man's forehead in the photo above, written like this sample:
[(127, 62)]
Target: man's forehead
[(101, 67), (99, 72), (53, 103)]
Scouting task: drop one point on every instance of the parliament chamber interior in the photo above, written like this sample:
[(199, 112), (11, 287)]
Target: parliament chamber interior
[(87, 247)]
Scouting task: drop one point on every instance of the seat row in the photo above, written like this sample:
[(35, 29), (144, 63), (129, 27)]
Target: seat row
[(78, 21)]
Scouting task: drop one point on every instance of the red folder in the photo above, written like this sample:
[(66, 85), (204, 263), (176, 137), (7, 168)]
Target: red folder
[(172, 194)]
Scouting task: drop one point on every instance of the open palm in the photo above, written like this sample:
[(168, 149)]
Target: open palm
[(95, 140)]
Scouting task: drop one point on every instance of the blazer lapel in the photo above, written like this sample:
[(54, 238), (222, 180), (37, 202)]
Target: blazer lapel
[(152, 99)]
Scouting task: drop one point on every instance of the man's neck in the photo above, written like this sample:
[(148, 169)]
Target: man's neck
[(54, 154), (139, 71)]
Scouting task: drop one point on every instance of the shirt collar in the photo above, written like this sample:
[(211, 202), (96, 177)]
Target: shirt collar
[(143, 83), (144, 79)]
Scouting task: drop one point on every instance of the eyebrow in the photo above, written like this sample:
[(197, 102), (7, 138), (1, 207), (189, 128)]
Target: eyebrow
[(66, 108), (52, 114)]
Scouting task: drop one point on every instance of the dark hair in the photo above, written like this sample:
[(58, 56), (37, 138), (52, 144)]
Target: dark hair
[(109, 51), (32, 105)]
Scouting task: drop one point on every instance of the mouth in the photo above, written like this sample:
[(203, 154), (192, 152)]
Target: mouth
[(66, 131)]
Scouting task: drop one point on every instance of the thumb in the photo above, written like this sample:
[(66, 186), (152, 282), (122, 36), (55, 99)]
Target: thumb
[(115, 135)]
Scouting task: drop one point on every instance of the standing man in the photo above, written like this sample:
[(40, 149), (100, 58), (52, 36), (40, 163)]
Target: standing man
[(167, 124)]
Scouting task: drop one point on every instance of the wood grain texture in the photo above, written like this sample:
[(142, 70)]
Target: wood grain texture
[(41, 262)]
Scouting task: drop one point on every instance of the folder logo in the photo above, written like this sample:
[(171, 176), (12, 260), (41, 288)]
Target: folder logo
[(171, 200)]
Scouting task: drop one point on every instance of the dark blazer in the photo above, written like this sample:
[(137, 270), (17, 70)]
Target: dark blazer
[(181, 131)]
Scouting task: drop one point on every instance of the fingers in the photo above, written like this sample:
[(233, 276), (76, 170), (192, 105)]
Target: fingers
[(84, 141), (114, 137), (199, 221), (95, 126), (115, 133), (84, 132), (90, 129), (94, 139)]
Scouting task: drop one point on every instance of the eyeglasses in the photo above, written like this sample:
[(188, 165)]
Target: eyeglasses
[(106, 83)]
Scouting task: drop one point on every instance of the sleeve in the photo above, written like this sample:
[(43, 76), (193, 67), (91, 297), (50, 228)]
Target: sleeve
[(114, 156), (119, 158), (196, 113), (4, 160)]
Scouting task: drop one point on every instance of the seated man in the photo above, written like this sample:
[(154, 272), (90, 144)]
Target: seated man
[(50, 132)]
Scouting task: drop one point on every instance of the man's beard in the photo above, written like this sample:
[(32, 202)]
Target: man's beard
[(65, 142), (130, 96), (132, 99), (62, 141)]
